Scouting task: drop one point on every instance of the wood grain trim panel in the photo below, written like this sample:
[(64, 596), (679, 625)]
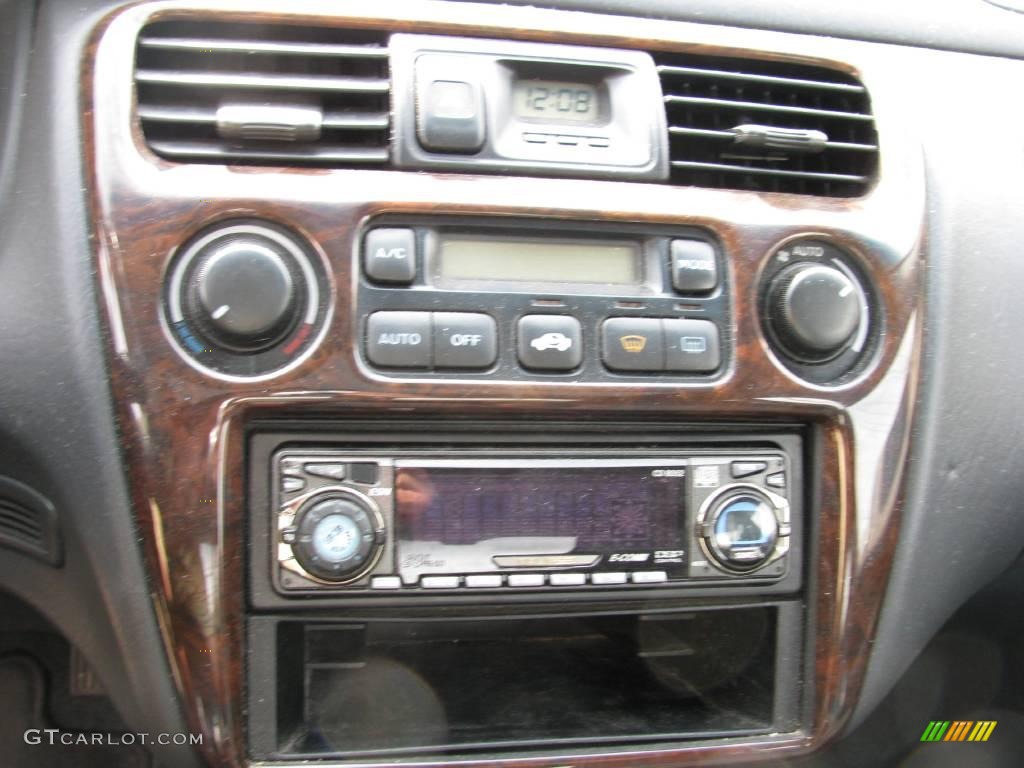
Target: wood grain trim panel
[(183, 431)]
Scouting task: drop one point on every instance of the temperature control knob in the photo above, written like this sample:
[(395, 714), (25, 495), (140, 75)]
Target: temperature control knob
[(815, 311), (243, 293), (338, 536), (741, 530)]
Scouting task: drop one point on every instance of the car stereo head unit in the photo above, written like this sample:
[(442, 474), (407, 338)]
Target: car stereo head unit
[(422, 523)]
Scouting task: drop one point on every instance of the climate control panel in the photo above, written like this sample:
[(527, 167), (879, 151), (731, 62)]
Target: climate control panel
[(529, 300)]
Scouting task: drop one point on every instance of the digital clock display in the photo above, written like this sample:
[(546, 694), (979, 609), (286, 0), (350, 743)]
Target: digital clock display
[(556, 100)]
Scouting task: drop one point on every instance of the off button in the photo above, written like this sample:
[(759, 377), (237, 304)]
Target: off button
[(399, 339), (464, 340)]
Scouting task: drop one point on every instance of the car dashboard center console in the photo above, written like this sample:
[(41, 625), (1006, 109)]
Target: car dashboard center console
[(505, 384)]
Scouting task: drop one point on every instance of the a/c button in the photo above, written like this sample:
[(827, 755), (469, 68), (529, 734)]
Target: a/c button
[(399, 339)]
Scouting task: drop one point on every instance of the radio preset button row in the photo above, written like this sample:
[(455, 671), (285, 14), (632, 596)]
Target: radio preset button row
[(668, 344), (431, 339)]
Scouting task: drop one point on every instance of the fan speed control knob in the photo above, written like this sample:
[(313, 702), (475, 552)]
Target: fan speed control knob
[(243, 293), (815, 311)]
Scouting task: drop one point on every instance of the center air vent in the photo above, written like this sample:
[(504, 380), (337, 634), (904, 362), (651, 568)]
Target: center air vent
[(263, 94), (767, 126)]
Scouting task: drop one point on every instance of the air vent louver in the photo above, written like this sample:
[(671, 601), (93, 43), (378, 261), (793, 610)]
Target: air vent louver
[(28, 522), (767, 126), (263, 94)]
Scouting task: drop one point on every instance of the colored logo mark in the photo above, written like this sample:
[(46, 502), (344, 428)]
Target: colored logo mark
[(958, 730)]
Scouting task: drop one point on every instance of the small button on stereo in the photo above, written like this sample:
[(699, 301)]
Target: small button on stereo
[(747, 468), (608, 578), (526, 580), (650, 577), (568, 579), (329, 469), (390, 255), (484, 580), (550, 342), (440, 582)]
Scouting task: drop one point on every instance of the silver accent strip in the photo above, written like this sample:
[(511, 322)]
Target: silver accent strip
[(546, 561)]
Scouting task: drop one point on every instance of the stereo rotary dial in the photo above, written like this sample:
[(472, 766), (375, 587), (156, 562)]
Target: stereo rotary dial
[(338, 536), (744, 528)]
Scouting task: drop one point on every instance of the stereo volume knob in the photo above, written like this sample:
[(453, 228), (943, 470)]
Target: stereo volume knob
[(338, 537), (815, 310), (243, 293), (741, 530)]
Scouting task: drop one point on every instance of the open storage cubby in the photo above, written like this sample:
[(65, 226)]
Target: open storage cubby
[(489, 684)]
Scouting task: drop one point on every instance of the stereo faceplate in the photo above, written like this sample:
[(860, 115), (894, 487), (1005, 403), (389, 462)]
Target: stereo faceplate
[(484, 521)]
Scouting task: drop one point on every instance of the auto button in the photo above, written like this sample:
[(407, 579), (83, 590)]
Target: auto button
[(399, 339)]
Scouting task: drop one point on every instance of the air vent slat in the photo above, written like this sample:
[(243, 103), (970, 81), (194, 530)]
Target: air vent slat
[(770, 79), (226, 80), (264, 94), (767, 126), (224, 150), (209, 45), (682, 130), (758, 106), (175, 114), (727, 168)]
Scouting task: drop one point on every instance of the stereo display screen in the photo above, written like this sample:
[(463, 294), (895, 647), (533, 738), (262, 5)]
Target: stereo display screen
[(458, 520)]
